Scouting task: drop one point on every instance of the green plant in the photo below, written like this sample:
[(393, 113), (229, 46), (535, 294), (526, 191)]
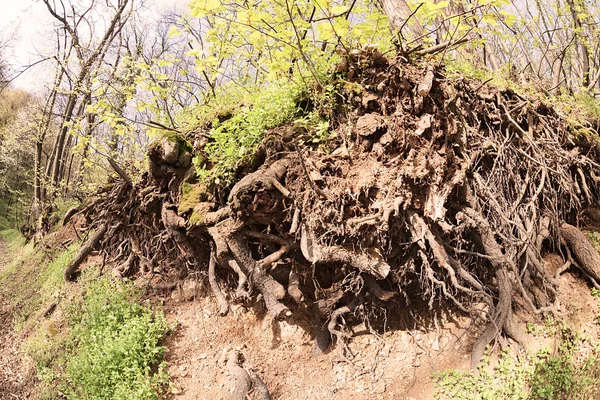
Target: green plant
[(236, 139), (594, 238), (563, 374), (116, 353), (507, 380), (313, 129), (568, 372)]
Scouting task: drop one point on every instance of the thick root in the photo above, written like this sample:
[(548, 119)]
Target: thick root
[(244, 380), (84, 252), (587, 257), (214, 286)]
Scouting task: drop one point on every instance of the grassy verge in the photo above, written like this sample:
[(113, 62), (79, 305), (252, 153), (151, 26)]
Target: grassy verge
[(99, 343)]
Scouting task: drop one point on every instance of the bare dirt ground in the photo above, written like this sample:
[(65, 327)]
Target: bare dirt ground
[(396, 365)]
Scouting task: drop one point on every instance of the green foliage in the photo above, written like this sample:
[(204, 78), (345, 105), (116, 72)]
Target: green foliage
[(266, 40), (507, 380), (106, 348), (236, 139), (594, 238), (562, 374), (312, 128), (116, 346), (565, 373)]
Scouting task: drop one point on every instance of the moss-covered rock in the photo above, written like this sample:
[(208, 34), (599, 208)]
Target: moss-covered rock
[(192, 195)]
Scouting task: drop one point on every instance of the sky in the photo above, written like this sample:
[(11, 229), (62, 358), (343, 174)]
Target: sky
[(28, 27)]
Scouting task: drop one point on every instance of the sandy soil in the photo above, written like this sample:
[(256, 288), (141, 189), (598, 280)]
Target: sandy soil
[(397, 365)]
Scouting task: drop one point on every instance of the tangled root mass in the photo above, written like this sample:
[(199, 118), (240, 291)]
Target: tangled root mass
[(435, 193)]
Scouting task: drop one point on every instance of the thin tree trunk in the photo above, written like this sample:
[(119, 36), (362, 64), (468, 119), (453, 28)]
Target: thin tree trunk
[(399, 13), (583, 49)]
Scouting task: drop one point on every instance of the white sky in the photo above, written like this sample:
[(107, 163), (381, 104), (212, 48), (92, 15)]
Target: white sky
[(29, 25)]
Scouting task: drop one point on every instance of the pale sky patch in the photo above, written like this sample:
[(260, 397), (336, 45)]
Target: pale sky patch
[(28, 26)]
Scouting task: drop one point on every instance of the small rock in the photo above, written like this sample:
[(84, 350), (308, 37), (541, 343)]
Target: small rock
[(189, 290), (202, 356)]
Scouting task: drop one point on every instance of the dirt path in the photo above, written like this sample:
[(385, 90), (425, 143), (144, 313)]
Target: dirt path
[(14, 382)]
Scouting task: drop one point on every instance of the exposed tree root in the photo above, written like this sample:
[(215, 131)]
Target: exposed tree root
[(244, 380), (84, 252), (445, 191), (587, 257), (221, 300)]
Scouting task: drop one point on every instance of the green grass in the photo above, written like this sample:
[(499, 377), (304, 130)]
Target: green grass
[(12, 239)]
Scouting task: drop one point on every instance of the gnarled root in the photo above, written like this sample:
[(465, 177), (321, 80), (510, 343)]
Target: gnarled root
[(244, 381), (316, 253), (271, 290), (587, 257), (214, 286), (84, 252), (339, 313)]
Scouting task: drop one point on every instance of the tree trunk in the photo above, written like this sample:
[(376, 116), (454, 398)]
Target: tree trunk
[(583, 49), (399, 13)]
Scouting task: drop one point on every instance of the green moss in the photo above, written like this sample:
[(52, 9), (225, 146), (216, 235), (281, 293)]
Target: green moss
[(235, 139), (190, 196), (196, 219), (198, 215)]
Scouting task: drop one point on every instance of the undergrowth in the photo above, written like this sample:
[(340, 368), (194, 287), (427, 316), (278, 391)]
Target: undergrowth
[(565, 372), (116, 353), (99, 343), (237, 133)]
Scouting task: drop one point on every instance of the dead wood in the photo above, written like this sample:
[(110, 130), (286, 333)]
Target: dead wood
[(70, 213), (84, 252), (120, 171), (242, 383), (584, 252), (49, 310)]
